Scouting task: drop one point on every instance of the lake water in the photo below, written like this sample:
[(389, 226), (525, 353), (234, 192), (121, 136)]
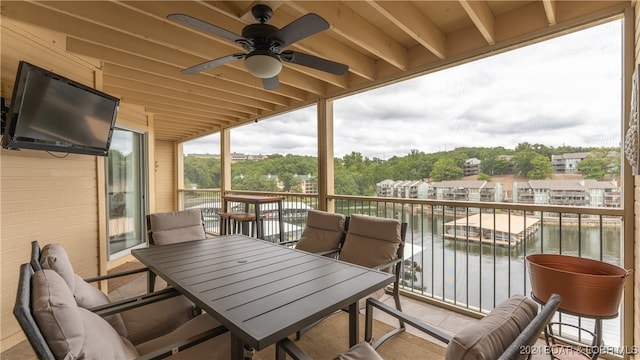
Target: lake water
[(481, 276)]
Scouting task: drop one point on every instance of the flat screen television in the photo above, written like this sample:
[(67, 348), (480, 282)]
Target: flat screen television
[(50, 112)]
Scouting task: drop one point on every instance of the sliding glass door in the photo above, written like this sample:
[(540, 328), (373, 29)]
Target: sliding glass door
[(126, 192)]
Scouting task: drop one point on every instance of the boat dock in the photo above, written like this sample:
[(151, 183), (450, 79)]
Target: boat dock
[(499, 229)]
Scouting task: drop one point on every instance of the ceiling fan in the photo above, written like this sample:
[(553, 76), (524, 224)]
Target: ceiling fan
[(265, 45)]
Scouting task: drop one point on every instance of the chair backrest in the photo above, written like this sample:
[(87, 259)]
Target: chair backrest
[(57, 327), (372, 241), (505, 332), (324, 231), (530, 334), (22, 312), (175, 226)]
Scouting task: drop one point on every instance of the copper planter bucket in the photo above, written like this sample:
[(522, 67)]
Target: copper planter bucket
[(588, 287)]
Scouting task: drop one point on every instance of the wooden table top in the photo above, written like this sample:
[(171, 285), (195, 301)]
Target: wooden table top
[(262, 292)]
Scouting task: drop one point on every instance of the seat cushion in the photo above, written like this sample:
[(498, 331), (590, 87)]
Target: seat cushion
[(493, 334), (70, 331), (156, 319), (176, 226), (371, 241), (218, 347), (323, 232), (360, 351)]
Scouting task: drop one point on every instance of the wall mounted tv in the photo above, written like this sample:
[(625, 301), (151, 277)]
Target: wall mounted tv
[(50, 112)]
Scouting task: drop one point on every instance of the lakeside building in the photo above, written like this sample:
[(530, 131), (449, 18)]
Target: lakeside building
[(472, 166), (587, 192), (568, 163), (406, 189), (583, 192)]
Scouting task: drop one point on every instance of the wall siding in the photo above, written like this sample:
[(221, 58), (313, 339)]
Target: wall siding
[(166, 181), (47, 198)]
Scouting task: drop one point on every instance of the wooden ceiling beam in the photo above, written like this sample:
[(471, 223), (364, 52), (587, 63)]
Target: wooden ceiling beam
[(185, 87), (482, 17), (354, 28), (186, 38), (42, 14), (176, 96), (410, 19), (144, 96), (550, 10), (282, 96)]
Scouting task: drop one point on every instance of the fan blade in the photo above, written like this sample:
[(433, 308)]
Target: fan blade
[(271, 83), (299, 29), (204, 26), (213, 63), (314, 62)]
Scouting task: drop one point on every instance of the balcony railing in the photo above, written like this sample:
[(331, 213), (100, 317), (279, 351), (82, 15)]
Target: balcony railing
[(469, 255)]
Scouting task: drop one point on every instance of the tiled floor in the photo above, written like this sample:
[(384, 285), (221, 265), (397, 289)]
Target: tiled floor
[(448, 321)]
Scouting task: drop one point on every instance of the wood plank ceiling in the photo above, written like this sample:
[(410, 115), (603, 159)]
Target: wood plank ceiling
[(381, 41)]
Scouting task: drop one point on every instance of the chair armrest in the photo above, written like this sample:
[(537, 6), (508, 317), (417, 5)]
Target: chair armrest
[(418, 324), (288, 242), (387, 264), (322, 253), (176, 347), (286, 347), (325, 253), (116, 275), (134, 302)]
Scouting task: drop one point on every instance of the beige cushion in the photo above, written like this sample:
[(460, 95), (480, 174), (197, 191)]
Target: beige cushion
[(156, 319), (360, 351), (218, 347), (323, 232), (492, 335), (88, 296), (371, 241), (70, 331), (54, 257), (176, 226)]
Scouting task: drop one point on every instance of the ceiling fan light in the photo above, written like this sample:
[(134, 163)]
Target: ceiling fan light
[(263, 64)]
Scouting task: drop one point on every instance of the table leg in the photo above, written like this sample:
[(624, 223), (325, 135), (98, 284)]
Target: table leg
[(354, 324), (237, 348)]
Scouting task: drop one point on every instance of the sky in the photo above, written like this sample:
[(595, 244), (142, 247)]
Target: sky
[(565, 91)]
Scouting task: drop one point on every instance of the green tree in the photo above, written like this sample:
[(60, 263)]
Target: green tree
[(599, 164), (203, 171), (446, 169), (483, 177), (255, 182), (541, 168)]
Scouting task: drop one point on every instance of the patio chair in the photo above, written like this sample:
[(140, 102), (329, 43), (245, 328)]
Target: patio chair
[(376, 243), (508, 332), (57, 328), (165, 310), (323, 234), (171, 227), (175, 226)]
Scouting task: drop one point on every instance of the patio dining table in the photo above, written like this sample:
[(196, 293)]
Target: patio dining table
[(262, 292)]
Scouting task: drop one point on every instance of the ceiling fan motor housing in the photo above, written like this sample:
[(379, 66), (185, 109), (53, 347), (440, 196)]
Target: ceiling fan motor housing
[(260, 36)]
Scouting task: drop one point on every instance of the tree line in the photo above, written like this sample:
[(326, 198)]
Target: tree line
[(356, 174)]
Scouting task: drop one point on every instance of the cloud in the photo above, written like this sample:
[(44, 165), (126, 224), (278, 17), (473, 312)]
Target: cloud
[(565, 91)]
